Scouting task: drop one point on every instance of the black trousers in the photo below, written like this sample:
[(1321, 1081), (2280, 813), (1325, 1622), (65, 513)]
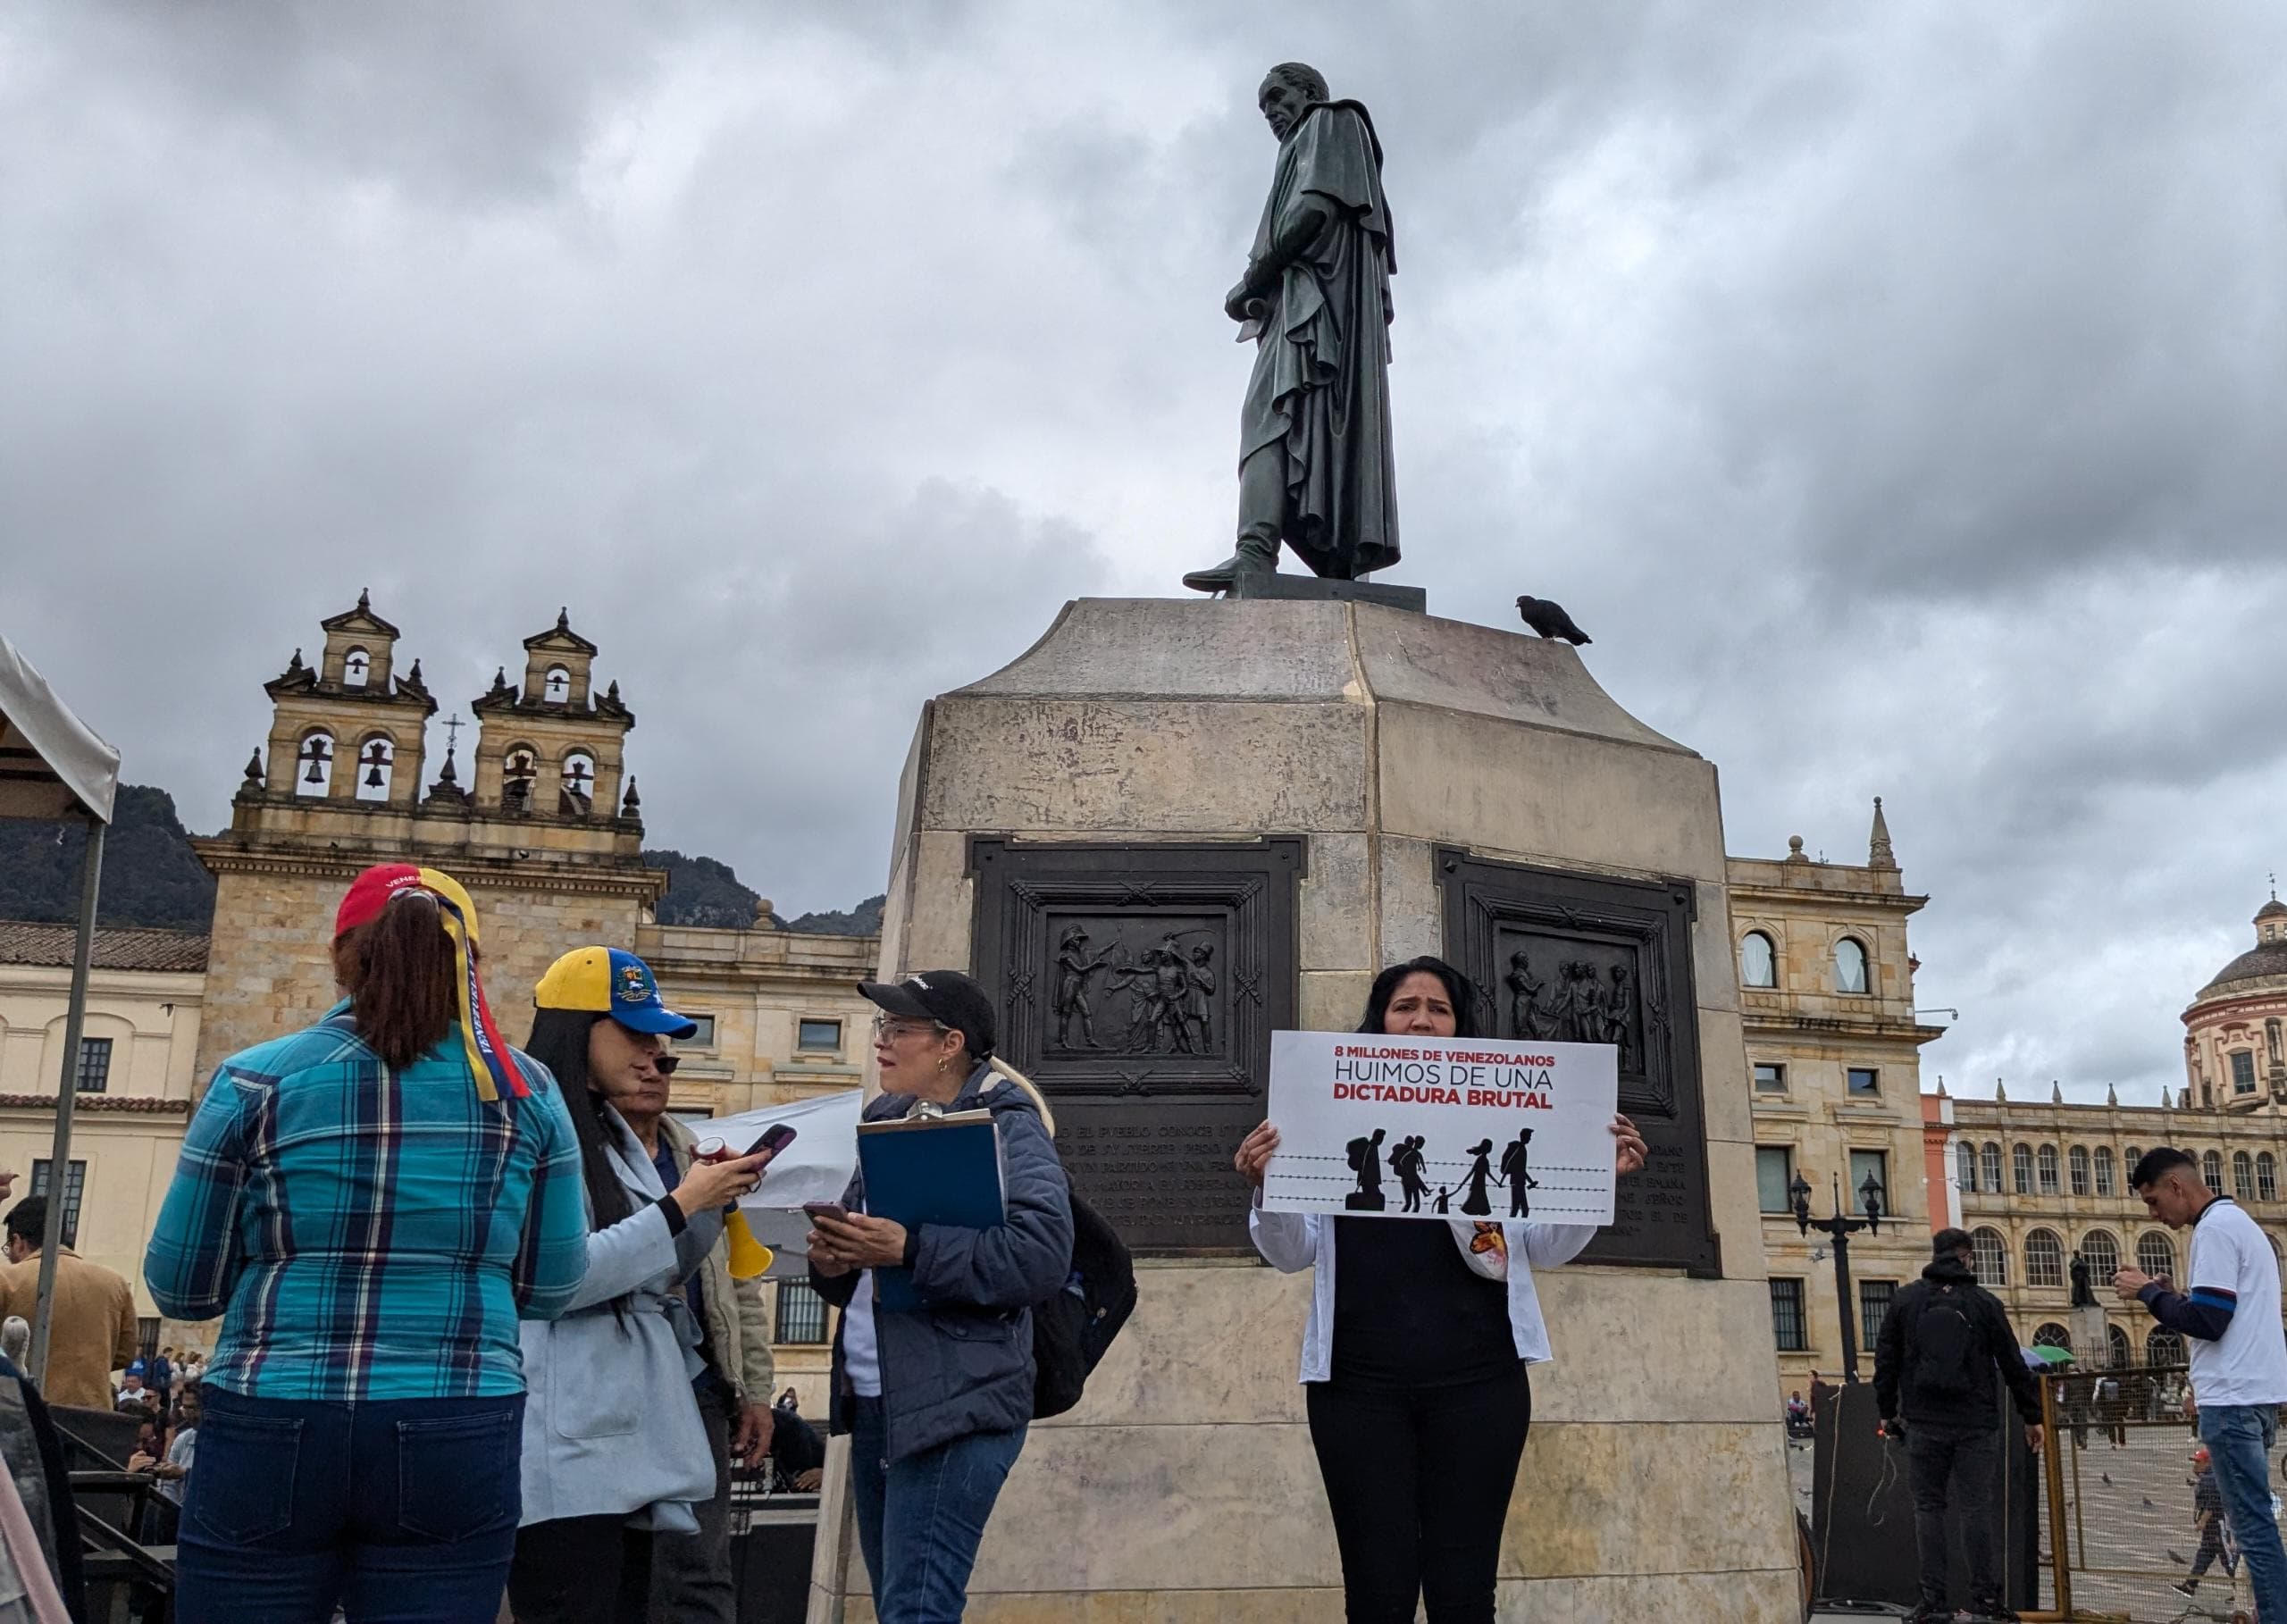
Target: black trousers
[(581, 1571), (1953, 1470), (1419, 1481)]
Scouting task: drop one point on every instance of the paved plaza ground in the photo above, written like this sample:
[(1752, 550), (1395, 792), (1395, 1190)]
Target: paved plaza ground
[(2128, 1525)]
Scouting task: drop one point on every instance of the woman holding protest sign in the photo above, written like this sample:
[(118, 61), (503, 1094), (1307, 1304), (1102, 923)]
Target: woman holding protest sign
[(1415, 1356)]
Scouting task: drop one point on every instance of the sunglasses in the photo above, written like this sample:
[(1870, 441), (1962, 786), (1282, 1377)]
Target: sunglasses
[(666, 1063)]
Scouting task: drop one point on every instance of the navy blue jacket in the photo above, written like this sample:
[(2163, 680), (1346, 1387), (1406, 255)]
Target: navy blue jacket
[(964, 1363)]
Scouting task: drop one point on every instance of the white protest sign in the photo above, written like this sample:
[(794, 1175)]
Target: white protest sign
[(1442, 1127), (815, 1167)]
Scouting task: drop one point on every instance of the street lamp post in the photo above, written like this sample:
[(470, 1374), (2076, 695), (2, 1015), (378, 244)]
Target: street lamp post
[(1840, 1228)]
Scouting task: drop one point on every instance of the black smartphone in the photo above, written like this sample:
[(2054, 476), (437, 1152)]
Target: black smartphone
[(774, 1138), (833, 1209)]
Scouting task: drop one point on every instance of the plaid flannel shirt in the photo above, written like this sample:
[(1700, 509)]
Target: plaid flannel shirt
[(369, 1234)]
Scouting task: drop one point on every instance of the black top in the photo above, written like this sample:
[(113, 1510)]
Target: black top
[(1410, 1313)]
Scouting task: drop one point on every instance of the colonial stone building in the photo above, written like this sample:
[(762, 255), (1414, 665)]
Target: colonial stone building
[(2036, 1182), (133, 1078), (543, 823), (1826, 990)]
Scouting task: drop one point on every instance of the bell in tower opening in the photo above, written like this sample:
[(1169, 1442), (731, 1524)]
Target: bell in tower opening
[(315, 778), (376, 761)]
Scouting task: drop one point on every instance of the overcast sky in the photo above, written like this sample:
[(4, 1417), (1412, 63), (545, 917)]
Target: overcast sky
[(1895, 392)]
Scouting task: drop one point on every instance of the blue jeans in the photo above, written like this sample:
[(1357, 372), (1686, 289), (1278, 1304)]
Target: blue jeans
[(399, 1512), (2239, 1439), (920, 1520)]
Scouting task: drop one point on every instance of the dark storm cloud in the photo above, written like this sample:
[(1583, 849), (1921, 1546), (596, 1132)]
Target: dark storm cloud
[(1895, 393)]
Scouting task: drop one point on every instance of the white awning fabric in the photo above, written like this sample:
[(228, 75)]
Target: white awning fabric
[(52, 764)]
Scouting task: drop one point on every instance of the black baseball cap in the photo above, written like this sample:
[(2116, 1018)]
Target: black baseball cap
[(947, 997)]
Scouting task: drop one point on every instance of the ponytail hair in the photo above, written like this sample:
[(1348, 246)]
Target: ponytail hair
[(1002, 1068), (398, 971)]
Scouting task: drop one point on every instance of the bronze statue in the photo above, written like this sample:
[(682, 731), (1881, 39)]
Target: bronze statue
[(1314, 434)]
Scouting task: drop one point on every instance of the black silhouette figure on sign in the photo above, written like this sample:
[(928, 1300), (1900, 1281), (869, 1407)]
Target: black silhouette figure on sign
[(1405, 1162), (1514, 1174), (1478, 1201), (1444, 1201), (1366, 1162)]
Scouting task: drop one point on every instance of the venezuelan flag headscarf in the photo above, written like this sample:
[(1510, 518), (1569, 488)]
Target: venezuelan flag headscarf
[(489, 1060)]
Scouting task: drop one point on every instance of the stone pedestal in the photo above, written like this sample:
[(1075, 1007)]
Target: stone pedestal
[(1184, 1487)]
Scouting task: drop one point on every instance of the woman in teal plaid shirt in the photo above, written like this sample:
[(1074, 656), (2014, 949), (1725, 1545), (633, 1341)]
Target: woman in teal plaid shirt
[(372, 1205)]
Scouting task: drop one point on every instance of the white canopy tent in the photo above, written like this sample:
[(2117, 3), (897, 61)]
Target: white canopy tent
[(53, 768)]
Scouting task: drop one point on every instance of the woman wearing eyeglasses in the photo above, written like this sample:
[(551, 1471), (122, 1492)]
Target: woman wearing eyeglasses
[(616, 1450), (936, 1400)]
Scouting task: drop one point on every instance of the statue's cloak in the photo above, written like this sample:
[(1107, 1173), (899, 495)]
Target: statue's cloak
[(1320, 386)]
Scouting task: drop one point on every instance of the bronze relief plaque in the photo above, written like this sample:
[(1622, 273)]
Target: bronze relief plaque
[(1138, 985), (1590, 958)]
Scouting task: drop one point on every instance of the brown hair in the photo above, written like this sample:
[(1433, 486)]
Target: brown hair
[(399, 971)]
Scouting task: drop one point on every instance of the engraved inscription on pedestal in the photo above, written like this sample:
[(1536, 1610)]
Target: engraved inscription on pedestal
[(1138, 985), (1564, 957)]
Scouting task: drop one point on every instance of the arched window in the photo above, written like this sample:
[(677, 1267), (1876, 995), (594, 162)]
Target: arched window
[(2044, 1259), (2101, 1253), (1992, 1161), (578, 775), (2266, 1176), (2076, 1167), (376, 761), (519, 769), (1965, 1167), (2211, 1170), (1990, 1257), (2052, 1334), (1849, 965), (2278, 1258), (2116, 1347), (2021, 1168), (2163, 1348), (2155, 1254), (1758, 963), (555, 686), (2048, 1170), (313, 774), (2129, 1157), (356, 666), (2242, 1177), (2104, 1170)]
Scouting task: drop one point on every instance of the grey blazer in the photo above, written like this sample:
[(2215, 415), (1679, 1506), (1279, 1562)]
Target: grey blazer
[(610, 1425)]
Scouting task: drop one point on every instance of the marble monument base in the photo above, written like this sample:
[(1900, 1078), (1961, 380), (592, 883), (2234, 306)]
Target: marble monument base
[(1184, 1488)]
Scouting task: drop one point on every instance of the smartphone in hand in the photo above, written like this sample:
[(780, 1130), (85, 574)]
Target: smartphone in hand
[(832, 1210), (774, 1138)]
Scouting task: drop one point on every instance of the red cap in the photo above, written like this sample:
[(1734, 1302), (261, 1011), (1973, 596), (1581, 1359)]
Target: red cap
[(370, 892)]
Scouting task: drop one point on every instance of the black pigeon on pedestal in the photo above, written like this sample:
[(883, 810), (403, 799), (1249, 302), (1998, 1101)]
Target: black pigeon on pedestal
[(1549, 619)]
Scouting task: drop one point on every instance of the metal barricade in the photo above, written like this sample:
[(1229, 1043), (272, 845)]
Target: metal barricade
[(2126, 1527)]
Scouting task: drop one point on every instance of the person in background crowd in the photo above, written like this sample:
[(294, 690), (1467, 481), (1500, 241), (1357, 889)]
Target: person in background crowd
[(2208, 1517), (94, 1332), (936, 1399), (33, 1452), (788, 1402), (2229, 1321), (616, 1450), (1941, 1342), (130, 1383), (159, 1377), (16, 1338), (1416, 1356), (370, 1204)]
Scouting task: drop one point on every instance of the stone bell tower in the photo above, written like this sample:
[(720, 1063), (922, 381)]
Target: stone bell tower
[(549, 840)]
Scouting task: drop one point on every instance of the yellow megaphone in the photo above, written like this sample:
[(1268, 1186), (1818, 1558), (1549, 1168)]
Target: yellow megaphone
[(749, 1256)]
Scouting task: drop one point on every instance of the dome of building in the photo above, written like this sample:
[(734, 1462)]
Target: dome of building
[(2267, 960)]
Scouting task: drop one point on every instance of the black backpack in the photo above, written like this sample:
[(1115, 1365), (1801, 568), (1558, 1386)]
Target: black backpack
[(1072, 1330), (1947, 1347)]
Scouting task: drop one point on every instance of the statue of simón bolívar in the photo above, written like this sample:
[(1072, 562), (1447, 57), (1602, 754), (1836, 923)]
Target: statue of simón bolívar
[(1314, 434)]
